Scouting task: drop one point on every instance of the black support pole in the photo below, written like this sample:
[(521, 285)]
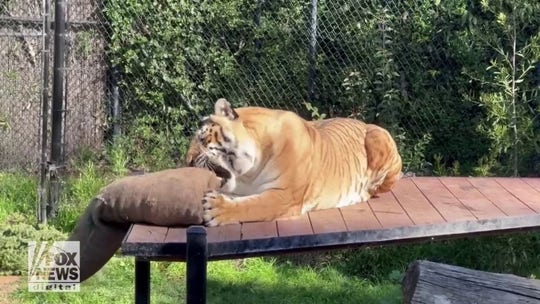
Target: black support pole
[(57, 148), (142, 281), (45, 57), (58, 80), (196, 259)]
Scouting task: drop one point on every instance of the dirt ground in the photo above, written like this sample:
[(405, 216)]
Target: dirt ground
[(8, 284)]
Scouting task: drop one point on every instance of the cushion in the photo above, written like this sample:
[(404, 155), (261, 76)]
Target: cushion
[(167, 198)]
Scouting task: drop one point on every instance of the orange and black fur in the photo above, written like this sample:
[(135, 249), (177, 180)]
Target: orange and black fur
[(278, 164)]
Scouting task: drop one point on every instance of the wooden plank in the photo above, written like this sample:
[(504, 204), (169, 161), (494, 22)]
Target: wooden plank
[(359, 217), (176, 235), (522, 190), (508, 203), (445, 202), (419, 209), (429, 282), (326, 221), (334, 228), (533, 182), (477, 203), (347, 239), (224, 233), (259, 230), (299, 225), (389, 212), (147, 234)]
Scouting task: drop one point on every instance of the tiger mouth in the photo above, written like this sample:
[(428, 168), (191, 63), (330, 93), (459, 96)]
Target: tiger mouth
[(202, 161), (221, 172)]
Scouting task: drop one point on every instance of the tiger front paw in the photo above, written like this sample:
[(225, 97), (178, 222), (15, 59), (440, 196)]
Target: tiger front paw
[(218, 209)]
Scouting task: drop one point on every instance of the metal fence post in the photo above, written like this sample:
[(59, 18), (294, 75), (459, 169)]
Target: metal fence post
[(57, 99), (197, 254), (42, 192), (58, 80)]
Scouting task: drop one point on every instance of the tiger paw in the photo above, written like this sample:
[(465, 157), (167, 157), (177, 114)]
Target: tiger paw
[(218, 209)]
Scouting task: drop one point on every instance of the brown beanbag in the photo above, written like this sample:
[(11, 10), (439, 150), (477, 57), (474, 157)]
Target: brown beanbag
[(166, 198)]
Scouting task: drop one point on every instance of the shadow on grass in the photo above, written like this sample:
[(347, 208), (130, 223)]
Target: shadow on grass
[(299, 289)]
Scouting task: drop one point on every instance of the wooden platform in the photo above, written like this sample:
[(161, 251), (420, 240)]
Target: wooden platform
[(418, 208)]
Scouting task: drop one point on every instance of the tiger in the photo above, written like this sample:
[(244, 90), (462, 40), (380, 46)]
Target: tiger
[(276, 164)]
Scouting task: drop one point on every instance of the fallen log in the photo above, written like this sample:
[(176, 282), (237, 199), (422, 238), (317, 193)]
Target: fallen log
[(428, 282)]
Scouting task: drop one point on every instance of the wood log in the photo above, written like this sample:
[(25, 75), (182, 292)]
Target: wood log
[(428, 282)]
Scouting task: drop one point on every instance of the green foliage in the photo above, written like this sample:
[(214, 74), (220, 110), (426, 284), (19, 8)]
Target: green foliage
[(439, 169), (464, 72), (18, 199), (118, 156), (83, 156), (314, 112), (76, 194), (15, 233), (172, 70), (510, 104), (413, 153), (83, 41), (88, 183), (154, 149), (4, 124), (18, 195), (372, 91)]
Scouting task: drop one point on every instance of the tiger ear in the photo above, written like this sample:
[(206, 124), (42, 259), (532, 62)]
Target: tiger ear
[(223, 108), (220, 120)]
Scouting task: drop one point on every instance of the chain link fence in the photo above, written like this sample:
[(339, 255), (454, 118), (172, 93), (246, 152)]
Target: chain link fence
[(86, 86), (26, 82), (21, 34), (433, 73)]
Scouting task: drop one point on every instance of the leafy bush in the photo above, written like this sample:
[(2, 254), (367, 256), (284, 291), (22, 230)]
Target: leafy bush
[(173, 71), (76, 194), (444, 69), (15, 233)]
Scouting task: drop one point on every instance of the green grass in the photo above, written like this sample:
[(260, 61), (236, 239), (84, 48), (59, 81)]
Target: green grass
[(255, 280), (368, 275), (77, 192), (18, 194), (349, 276), (261, 280)]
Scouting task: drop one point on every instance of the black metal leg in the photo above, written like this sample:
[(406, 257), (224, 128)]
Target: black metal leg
[(196, 258), (142, 281)]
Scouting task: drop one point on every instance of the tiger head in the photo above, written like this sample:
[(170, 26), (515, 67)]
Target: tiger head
[(223, 143)]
